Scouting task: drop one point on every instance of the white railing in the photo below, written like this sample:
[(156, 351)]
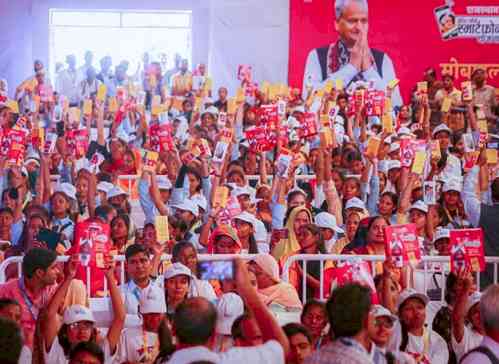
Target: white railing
[(428, 265), (120, 259)]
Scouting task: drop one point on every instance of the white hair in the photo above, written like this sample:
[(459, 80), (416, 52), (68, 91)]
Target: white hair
[(489, 309), (340, 5)]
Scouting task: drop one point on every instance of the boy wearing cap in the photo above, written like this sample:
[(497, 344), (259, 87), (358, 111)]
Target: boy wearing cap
[(330, 230), (411, 335), (154, 194), (143, 344)]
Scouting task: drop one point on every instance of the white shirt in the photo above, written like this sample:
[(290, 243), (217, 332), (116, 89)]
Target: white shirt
[(131, 294), (132, 346), (269, 353), (437, 347), (452, 169), (479, 358), (26, 355), (471, 339), (56, 353), (313, 74), (67, 84)]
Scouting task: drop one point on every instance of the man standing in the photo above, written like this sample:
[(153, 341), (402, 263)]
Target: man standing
[(67, 82), (106, 76), (34, 289), (221, 103), (82, 71), (350, 58), (483, 94), (182, 80)]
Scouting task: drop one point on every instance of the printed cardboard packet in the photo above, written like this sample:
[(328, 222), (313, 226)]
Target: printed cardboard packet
[(491, 156), (422, 87), (162, 229), (231, 105), (467, 250), (87, 107), (402, 245), (150, 161), (419, 162), (387, 122), (101, 92), (338, 84), (467, 91), (113, 104), (372, 147), (326, 137), (283, 163), (220, 197), (430, 192)]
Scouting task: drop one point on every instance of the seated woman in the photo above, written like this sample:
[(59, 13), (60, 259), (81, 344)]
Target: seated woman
[(311, 242), (370, 239), (224, 240), (270, 286)]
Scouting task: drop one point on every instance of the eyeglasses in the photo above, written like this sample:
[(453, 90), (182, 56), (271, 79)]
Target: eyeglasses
[(82, 325), (387, 324)]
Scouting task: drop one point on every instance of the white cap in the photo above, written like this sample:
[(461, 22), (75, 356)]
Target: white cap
[(392, 164), (67, 188), (181, 118), (473, 299), (153, 300), (188, 205), (439, 128), (238, 191), (247, 217), (116, 191), (208, 100), (210, 110), (177, 269), (452, 185), (404, 131), (411, 293), (105, 186), (164, 183), (297, 189), (200, 201), (355, 203), (380, 311), (229, 308), (77, 313), (122, 135), (419, 205), (441, 233), (327, 221), (394, 147)]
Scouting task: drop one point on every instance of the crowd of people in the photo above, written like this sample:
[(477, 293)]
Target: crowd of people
[(266, 174)]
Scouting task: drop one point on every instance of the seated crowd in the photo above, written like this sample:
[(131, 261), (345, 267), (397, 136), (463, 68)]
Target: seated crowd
[(172, 177)]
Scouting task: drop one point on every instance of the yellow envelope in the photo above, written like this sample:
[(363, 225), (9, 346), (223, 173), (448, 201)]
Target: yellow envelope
[(373, 146), (162, 228), (328, 86), (156, 100), (283, 90), (491, 156), (87, 107), (338, 84), (113, 104), (419, 160), (156, 110), (220, 197), (101, 92), (197, 103), (273, 91), (13, 106), (324, 118), (150, 161), (446, 104), (388, 104), (387, 122), (231, 105), (177, 103), (482, 126)]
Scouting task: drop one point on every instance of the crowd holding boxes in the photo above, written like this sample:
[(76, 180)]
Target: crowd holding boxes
[(335, 170)]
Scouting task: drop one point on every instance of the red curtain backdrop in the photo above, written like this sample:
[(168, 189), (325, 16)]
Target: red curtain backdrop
[(406, 30)]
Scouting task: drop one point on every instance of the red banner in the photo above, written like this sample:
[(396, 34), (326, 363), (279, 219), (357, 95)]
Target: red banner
[(414, 35)]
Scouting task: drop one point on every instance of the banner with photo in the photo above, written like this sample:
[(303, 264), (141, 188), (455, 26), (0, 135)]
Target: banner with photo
[(404, 39)]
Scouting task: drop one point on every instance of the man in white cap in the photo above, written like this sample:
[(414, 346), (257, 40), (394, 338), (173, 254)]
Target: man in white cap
[(411, 334), (330, 230), (380, 329), (466, 309), (103, 189), (393, 170), (441, 241), (229, 307), (118, 198), (357, 205), (488, 351), (142, 344)]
